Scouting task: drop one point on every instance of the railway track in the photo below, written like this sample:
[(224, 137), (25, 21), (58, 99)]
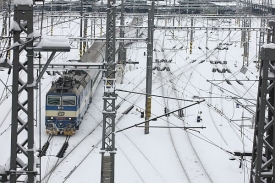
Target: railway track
[(183, 167), (87, 138), (200, 169), (77, 165)]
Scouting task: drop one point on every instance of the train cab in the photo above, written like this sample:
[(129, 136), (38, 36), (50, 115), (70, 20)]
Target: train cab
[(61, 114)]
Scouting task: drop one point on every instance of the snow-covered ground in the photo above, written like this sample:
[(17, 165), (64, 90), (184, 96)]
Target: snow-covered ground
[(165, 155)]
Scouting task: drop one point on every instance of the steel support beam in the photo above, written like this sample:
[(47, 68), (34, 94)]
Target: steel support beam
[(265, 11), (108, 149), (85, 44), (197, 16), (263, 153), (121, 62), (149, 68), (22, 129), (81, 31), (121, 50)]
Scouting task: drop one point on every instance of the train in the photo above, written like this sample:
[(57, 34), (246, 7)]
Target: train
[(68, 100), (70, 95)]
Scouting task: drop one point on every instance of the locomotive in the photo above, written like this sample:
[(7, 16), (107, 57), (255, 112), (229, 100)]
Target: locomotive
[(70, 95), (68, 99)]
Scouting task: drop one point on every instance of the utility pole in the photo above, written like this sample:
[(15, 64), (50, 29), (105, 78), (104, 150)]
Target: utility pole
[(52, 20), (85, 43), (245, 33), (191, 35), (264, 8), (206, 42), (4, 25), (81, 31), (108, 149), (121, 50), (263, 153), (150, 46), (174, 12), (121, 54)]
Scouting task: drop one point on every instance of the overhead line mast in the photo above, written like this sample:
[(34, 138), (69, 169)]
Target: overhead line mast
[(265, 11), (108, 149), (23, 163), (149, 68), (19, 126), (262, 164)]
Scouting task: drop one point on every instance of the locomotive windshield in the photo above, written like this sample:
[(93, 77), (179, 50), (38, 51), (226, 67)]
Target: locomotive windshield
[(68, 100), (54, 100)]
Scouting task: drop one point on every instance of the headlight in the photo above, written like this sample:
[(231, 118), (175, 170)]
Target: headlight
[(70, 118), (51, 117)]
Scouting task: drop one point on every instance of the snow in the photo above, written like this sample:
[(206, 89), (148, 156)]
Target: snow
[(16, 44), (54, 43), (2, 60), (34, 34), (269, 45), (23, 2), (165, 155), (15, 26)]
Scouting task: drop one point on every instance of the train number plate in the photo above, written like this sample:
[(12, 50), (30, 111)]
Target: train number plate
[(60, 118)]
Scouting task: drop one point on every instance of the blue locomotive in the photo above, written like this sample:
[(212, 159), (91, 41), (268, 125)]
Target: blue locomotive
[(68, 99)]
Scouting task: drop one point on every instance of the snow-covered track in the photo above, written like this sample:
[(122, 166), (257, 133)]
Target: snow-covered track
[(199, 170), (182, 165), (90, 151)]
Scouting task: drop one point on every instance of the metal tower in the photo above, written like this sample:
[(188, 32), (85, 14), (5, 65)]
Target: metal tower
[(264, 10), (22, 128), (245, 33), (121, 62), (81, 30), (263, 142), (121, 50), (108, 149)]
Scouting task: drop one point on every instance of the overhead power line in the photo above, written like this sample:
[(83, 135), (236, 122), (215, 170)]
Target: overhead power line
[(157, 95), (182, 127), (152, 119)]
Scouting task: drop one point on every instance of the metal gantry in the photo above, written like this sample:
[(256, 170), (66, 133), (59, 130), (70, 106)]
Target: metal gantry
[(262, 164), (108, 149)]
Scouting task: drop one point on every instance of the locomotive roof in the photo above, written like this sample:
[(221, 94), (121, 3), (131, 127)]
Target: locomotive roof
[(74, 81)]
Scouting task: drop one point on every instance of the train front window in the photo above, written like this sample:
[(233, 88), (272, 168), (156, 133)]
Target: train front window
[(53, 100), (68, 100)]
